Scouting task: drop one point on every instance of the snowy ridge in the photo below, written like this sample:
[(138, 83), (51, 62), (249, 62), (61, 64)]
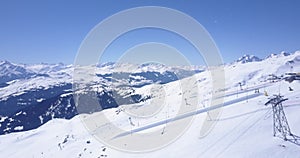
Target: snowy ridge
[(9, 71), (248, 58), (281, 54)]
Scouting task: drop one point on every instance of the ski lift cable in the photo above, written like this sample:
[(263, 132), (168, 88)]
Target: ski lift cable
[(189, 114)]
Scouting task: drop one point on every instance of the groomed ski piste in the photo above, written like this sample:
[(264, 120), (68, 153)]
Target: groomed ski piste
[(244, 127)]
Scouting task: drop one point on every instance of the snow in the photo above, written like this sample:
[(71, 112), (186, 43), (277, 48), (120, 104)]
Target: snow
[(18, 113), (243, 129), (19, 87), (66, 94), (40, 100), (236, 134), (41, 119), (2, 118), (18, 128)]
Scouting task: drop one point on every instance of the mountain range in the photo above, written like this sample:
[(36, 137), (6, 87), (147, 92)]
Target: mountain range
[(31, 95), (37, 102)]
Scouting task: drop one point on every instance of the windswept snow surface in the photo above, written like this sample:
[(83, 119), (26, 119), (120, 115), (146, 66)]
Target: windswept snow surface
[(244, 128)]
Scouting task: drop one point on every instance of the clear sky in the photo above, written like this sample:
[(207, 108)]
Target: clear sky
[(51, 30)]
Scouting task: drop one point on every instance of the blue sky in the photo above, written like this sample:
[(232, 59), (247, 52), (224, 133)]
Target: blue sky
[(51, 31)]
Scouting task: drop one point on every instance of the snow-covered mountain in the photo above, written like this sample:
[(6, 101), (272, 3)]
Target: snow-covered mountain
[(45, 68), (9, 72), (252, 58), (281, 54), (31, 95), (28, 103), (248, 58)]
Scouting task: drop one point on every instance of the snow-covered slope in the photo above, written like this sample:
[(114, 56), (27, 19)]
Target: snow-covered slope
[(244, 128)]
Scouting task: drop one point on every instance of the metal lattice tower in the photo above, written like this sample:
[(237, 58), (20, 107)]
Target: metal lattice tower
[(280, 124)]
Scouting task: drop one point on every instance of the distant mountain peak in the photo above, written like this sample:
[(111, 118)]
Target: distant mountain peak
[(5, 62), (281, 54), (9, 71), (271, 55), (248, 58)]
